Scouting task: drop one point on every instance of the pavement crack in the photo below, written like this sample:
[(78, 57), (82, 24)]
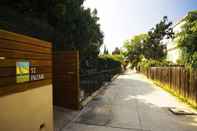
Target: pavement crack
[(138, 115)]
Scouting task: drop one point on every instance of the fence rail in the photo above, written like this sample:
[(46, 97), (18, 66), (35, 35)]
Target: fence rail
[(177, 79)]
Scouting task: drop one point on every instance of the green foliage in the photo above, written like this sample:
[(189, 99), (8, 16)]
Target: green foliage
[(74, 26), (145, 64), (109, 62), (116, 51), (194, 60), (105, 52), (149, 46), (104, 62), (134, 49), (187, 40), (117, 57), (153, 47)]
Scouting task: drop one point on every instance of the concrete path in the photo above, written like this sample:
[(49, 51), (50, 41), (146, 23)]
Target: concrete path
[(132, 103)]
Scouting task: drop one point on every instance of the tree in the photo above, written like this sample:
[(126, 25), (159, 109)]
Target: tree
[(74, 26), (105, 52), (149, 46), (134, 49), (116, 51), (187, 40), (91, 37), (153, 47)]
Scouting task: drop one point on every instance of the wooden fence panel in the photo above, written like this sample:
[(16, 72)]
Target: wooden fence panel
[(177, 79), (17, 51), (66, 79), (193, 85), (25, 83)]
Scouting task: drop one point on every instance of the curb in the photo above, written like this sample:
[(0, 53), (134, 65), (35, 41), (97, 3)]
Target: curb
[(90, 98)]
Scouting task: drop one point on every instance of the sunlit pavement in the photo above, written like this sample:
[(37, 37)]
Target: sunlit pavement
[(132, 103)]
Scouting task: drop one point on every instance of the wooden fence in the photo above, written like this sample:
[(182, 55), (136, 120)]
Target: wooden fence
[(66, 88), (25, 83), (25, 63), (181, 81), (70, 87)]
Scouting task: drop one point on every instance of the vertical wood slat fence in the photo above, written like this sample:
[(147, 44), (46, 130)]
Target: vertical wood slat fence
[(66, 88), (177, 79)]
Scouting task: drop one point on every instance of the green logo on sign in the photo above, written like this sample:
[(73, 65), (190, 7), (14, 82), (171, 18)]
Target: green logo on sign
[(22, 72)]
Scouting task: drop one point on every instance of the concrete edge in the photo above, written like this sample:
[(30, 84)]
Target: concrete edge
[(90, 98)]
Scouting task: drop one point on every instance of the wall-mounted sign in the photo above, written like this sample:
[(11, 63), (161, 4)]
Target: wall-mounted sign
[(35, 75), (22, 72), (25, 72)]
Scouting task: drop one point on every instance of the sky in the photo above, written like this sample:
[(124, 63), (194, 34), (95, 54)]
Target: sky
[(122, 19)]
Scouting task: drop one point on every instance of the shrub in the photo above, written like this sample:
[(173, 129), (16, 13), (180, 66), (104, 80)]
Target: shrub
[(105, 62), (109, 62), (194, 60), (187, 40), (145, 64)]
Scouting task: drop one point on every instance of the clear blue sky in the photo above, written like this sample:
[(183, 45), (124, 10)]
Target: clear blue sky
[(121, 19)]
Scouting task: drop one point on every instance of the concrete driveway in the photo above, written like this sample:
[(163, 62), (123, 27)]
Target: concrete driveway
[(132, 103)]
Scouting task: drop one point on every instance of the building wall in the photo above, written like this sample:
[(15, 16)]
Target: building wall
[(174, 53), (27, 111)]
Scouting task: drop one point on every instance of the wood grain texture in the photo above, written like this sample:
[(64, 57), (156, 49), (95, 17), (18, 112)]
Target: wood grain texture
[(66, 79), (24, 39), (19, 48), (178, 79)]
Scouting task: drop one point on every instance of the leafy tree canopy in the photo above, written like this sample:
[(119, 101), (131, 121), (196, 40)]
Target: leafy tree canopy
[(134, 48), (105, 52), (149, 46), (153, 47), (75, 26), (116, 51), (187, 40)]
